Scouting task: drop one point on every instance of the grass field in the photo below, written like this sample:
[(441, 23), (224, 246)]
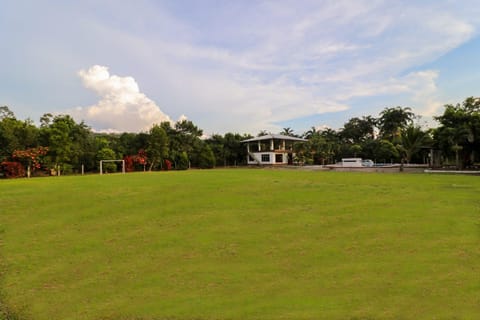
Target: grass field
[(241, 244)]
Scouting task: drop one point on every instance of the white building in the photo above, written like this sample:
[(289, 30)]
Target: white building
[(271, 149)]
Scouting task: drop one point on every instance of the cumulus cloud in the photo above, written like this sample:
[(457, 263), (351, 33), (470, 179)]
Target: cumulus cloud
[(426, 94), (122, 107)]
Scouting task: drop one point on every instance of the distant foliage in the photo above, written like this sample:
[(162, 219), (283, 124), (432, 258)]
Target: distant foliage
[(395, 135)]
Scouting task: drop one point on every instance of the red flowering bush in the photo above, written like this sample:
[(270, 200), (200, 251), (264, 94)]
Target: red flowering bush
[(31, 156), (168, 165), (139, 159), (12, 169), (129, 163)]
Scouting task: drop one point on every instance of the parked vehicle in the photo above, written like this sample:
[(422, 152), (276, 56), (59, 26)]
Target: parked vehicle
[(367, 163), (357, 162)]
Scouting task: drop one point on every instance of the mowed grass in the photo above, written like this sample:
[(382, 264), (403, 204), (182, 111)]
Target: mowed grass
[(242, 244)]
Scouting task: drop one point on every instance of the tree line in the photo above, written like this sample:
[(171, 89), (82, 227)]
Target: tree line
[(396, 136), (60, 144)]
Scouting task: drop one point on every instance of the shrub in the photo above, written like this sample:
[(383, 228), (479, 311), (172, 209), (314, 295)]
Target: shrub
[(129, 163), (67, 168), (182, 161), (206, 158), (12, 169), (168, 165)]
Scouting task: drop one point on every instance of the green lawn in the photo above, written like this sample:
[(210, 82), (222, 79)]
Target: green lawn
[(242, 244)]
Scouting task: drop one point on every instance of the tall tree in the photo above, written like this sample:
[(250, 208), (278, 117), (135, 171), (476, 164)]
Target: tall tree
[(70, 144), (59, 140), (380, 150), (83, 146), (186, 127), (217, 145), (128, 144), (262, 133), (235, 150), (183, 138), (393, 120), (459, 131), (202, 155), (333, 141), (357, 130), (287, 132), (412, 139), (15, 134), (323, 146), (316, 151), (310, 133), (157, 147), (5, 112)]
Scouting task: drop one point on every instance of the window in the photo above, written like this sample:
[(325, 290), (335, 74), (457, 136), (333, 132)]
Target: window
[(279, 158), (265, 158)]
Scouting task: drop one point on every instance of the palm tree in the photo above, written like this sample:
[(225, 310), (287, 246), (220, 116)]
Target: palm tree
[(287, 132), (412, 139), (310, 133), (393, 120)]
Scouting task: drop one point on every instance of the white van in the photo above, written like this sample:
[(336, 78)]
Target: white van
[(357, 162), (352, 162)]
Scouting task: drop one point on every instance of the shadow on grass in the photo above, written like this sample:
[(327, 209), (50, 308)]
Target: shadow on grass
[(6, 311)]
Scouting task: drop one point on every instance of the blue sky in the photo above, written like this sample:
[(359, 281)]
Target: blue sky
[(239, 66)]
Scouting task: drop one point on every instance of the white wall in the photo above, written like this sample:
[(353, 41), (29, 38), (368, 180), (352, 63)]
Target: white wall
[(258, 155)]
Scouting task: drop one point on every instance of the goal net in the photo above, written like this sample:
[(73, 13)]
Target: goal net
[(103, 161)]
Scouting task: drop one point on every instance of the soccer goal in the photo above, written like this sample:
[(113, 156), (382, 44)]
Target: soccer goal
[(102, 161)]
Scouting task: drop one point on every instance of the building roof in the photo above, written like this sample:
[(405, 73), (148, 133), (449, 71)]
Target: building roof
[(276, 137)]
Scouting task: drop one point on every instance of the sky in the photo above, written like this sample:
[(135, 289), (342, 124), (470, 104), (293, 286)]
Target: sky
[(236, 66)]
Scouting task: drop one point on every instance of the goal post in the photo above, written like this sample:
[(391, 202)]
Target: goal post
[(102, 161)]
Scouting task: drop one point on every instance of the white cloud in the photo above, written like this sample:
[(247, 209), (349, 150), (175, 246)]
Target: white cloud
[(315, 58), (425, 93), (274, 62), (122, 107)]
